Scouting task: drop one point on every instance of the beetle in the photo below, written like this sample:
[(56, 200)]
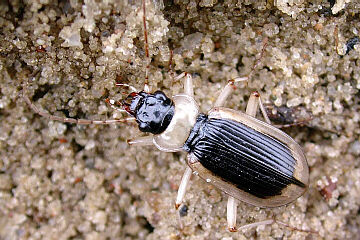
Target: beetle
[(248, 159)]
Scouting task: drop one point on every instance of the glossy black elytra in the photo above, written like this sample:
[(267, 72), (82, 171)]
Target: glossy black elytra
[(252, 161)]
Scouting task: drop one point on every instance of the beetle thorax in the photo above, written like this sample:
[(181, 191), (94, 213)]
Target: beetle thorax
[(184, 118)]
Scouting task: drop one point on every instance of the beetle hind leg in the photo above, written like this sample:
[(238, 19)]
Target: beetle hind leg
[(231, 217), (231, 213), (272, 221)]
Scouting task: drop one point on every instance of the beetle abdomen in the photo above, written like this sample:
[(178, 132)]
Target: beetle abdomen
[(252, 161)]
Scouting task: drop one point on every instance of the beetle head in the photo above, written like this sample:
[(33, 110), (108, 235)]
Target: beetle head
[(153, 112)]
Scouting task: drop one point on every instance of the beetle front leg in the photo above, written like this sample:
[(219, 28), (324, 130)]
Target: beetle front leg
[(141, 141), (182, 188), (188, 84)]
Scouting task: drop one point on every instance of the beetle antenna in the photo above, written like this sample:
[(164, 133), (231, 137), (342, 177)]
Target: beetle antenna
[(65, 119), (170, 71), (171, 62), (146, 85), (258, 61)]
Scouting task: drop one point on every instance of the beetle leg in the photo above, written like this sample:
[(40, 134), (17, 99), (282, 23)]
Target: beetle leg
[(263, 111), (178, 77), (250, 225), (182, 188), (253, 104), (231, 219), (141, 141), (227, 90), (272, 221), (231, 213), (188, 84)]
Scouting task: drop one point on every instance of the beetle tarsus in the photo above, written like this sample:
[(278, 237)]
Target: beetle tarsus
[(232, 229), (256, 94)]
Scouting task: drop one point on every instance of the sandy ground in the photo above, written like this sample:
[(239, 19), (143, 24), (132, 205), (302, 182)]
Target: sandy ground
[(66, 181)]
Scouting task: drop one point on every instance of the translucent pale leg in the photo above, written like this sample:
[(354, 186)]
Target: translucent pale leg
[(182, 188), (141, 141), (266, 222), (188, 84), (231, 213), (272, 221), (227, 90), (253, 104)]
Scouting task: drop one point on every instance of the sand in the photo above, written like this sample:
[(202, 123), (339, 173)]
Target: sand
[(68, 181)]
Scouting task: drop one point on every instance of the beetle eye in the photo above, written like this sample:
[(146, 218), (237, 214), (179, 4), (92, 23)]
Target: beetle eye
[(160, 95)]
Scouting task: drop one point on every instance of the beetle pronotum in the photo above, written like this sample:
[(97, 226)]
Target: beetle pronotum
[(246, 158)]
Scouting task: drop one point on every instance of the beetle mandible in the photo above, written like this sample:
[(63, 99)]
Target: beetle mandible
[(248, 159)]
